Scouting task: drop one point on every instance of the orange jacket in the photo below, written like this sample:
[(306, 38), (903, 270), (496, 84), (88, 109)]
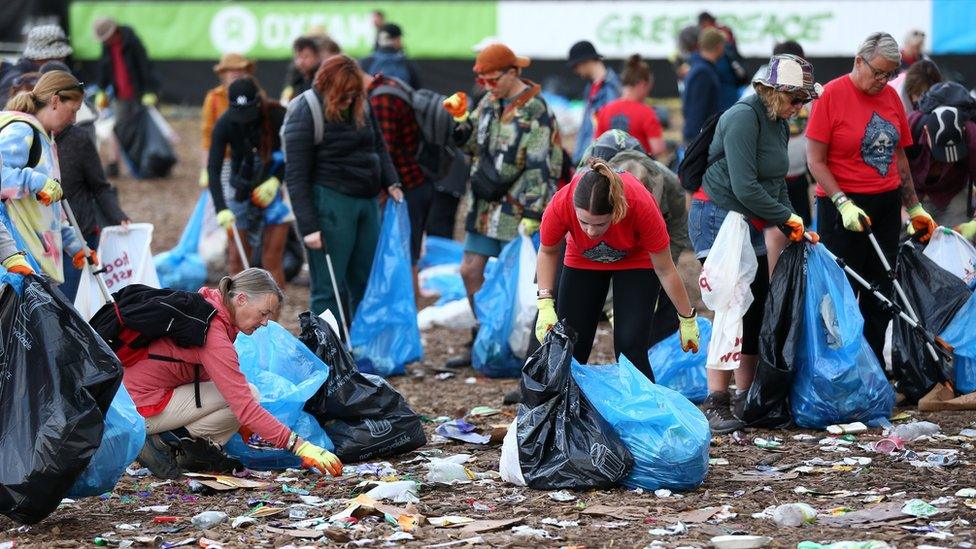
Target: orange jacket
[(214, 105)]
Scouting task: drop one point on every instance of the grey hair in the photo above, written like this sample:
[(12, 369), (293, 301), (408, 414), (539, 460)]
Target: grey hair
[(879, 43), (250, 282)]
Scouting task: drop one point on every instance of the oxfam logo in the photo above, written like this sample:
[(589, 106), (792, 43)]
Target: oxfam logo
[(234, 30)]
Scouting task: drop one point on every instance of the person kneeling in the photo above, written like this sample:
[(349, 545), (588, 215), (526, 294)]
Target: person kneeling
[(195, 398)]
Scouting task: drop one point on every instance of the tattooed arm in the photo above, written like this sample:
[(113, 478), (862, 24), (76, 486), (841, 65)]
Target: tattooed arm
[(908, 197)]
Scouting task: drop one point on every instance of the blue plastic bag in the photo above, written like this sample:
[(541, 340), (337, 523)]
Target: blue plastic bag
[(440, 251), (122, 439), (495, 307), (838, 378), (384, 334), (667, 434), (681, 371), (182, 268), (445, 281), (287, 374), (961, 334)]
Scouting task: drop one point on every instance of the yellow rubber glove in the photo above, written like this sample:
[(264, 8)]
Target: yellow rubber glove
[(457, 106), (850, 213), (50, 192), (967, 230), (547, 317), (226, 218), (101, 100), (921, 222), (204, 180), (287, 94), (18, 264), (319, 458), (688, 331), (149, 99), (263, 194), (530, 226)]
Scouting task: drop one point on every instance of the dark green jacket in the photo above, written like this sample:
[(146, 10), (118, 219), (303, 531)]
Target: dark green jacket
[(751, 177)]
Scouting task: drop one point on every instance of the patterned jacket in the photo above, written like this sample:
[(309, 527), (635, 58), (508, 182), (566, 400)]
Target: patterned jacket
[(522, 141)]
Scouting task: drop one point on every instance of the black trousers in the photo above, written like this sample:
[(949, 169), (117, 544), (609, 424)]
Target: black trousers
[(798, 189), (442, 215), (580, 300), (856, 250)]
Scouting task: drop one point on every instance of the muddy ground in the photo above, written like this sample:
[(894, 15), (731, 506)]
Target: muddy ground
[(742, 481)]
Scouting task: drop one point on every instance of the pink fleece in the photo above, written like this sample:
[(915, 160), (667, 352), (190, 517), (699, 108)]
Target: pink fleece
[(151, 382)]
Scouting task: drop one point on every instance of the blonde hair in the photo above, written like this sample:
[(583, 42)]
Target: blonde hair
[(59, 83), (601, 191), (774, 100), (250, 282)]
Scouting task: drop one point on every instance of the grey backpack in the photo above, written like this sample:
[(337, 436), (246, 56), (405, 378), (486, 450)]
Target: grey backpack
[(318, 120)]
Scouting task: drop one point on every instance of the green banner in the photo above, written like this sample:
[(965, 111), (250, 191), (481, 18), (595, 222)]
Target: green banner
[(265, 30)]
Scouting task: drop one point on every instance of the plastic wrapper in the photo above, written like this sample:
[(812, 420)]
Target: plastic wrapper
[(384, 334), (365, 417), (838, 378), (681, 371), (182, 268), (561, 441), (286, 374), (951, 251), (666, 434), (57, 380)]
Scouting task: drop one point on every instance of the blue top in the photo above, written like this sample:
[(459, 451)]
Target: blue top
[(701, 96), (609, 90)]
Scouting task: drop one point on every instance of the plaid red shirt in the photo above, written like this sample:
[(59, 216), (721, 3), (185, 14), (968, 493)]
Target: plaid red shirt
[(400, 131)]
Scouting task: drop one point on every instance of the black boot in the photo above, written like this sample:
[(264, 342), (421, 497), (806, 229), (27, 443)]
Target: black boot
[(465, 359), (159, 454), (717, 408), (201, 455)]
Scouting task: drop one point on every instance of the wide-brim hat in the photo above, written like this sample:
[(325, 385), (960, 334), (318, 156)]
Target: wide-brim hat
[(104, 28), (496, 57), (233, 62), (946, 135), (791, 74), (47, 42), (584, 50)]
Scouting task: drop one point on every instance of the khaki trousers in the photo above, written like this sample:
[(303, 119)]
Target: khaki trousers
[(214, 420)]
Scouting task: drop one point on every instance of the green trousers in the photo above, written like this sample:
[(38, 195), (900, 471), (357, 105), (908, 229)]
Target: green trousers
[(350, 230)]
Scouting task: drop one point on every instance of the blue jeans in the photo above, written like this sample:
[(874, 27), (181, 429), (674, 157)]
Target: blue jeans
[(705, 219), (72, 276)]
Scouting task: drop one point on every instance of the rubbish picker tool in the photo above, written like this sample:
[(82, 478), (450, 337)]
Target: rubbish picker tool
[(240, 246), (335, 288), (96, 273)]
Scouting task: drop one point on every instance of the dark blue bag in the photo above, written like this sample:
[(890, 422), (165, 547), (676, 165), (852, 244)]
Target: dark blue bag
[(681, 371), (384, 334), (838, 378), (286, 374), (182, 268)]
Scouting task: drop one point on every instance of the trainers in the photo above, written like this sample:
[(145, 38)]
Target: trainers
[(159, 455), (201, 455), (717, 410)]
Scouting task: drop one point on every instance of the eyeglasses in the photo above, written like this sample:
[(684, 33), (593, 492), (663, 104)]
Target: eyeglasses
[(491, 82), (879, 75)]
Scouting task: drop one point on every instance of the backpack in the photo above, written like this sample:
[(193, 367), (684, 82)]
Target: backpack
[(693, 166), (34, 155), (390, 64), (949, 94), (436, 150), (318, 118)]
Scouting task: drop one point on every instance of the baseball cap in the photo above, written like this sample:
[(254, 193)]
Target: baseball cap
[(496, 57), (244, 99)]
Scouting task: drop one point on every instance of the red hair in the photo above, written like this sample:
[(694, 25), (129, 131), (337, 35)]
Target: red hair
[(339, 77)]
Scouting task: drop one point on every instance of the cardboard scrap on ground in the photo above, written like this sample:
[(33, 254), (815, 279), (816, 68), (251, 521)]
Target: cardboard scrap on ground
[(224, 483), (407, 518), (942, 398), (695, 516), (763, 476), (303, 533), (482, 526), (890, 512), (624, 512)]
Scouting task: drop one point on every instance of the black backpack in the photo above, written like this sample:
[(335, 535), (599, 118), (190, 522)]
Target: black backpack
[(949, 94), (692, 169)]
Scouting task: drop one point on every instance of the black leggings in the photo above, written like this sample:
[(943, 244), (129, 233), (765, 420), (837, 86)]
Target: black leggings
[(753, 319), (580, 302)]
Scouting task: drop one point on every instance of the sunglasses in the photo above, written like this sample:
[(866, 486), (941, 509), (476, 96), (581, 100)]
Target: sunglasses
[(799, 101), (80, 86), (491, 82), (879, 75)]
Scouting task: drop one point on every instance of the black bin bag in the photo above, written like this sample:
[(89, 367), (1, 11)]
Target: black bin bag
[(365, 417), (57, 381), (768, 400), (145, 145), (563, 442), (936, 295)]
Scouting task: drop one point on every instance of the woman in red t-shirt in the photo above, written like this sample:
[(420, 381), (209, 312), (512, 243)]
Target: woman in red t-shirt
[(630, 113), (856, 137), (615, 233)]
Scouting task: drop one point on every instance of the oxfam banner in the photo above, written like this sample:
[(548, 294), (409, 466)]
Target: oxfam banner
[(265, 30), (618, 29)]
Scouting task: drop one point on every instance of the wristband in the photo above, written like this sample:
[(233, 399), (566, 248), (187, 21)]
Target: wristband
[(292, 441), (692, 315), (544, 293)]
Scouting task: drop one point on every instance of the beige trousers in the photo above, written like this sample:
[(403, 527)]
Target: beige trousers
[(214, 420)]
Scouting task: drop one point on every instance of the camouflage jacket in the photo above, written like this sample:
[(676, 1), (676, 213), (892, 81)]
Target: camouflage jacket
[(523, 140)]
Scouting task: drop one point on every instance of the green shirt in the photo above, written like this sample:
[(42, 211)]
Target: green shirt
[(751, 177)]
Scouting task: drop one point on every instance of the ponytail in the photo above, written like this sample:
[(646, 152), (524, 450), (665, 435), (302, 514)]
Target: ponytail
[(51, 83), (601, 191), (25, 102)]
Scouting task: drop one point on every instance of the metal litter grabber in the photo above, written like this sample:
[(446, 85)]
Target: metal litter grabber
[(240, 246), (97, 274), (935, 344)]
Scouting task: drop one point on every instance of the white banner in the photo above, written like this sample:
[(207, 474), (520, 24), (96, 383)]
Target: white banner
[(546, 30), (127, 258)]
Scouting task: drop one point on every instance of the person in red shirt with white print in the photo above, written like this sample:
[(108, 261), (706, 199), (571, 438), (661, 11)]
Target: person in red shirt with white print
[(857, 134), (630, 113), (615, 233)]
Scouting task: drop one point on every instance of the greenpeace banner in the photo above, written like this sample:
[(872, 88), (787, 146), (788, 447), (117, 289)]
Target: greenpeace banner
[(265, 30)]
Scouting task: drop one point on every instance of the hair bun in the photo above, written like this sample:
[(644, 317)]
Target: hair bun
[(634, 60)]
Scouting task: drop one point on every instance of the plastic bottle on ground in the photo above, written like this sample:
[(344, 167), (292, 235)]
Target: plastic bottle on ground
[(911, 431), (208, 519)]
